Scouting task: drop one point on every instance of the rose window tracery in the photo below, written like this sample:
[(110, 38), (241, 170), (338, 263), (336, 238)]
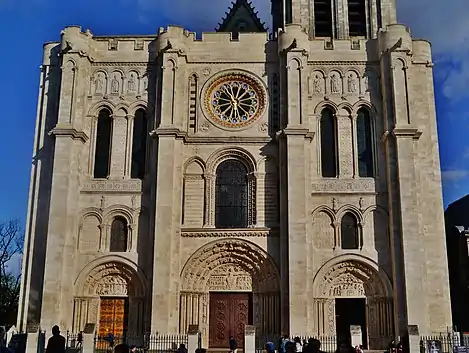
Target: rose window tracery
[(235, 100)]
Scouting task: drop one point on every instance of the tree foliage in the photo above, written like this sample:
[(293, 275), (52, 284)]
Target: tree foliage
[(11, 247)]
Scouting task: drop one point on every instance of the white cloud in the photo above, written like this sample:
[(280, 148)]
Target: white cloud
[(14, 265), (443, 22), (453, 176)]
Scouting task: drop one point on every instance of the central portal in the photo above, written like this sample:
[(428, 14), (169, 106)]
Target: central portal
[(350, 311), (229, 314)]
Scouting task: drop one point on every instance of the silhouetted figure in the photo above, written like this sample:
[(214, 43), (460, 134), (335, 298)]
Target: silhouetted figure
[(121, 348), (56, 343), (233, 345), (290, 347), (182, 348), (133, 348), (344, 347)]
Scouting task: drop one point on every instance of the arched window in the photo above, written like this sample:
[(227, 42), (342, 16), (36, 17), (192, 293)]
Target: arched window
[(102, 157), (357, 17), (119, 235), (349, 238), (322, 18), (231, 195), (139, 145), (328, 144), (364, 144)]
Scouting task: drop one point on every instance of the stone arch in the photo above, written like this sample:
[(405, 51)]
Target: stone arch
[(194, 161), (94, 211), (325, 209), (138, 105), (350, 209), (240, 258), (367, 105), (231, 153), (96, 278), (323, 224), (297, 61), (323, 105), (351, 275), (345, 108), (118, 210), (97, 107)]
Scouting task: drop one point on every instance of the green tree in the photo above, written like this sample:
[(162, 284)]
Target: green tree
[(11, 247)]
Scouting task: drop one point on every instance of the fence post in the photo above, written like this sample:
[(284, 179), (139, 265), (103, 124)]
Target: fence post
[(88, 338), (249, 339), (32, 341), (192, 338), (414, 338)]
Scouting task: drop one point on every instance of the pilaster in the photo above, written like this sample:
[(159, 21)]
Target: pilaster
[(165, 297), (57, 301)]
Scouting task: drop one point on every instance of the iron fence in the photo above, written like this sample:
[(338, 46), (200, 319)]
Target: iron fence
[(328, 343), (154, 343), (73, 342), (442, 343)]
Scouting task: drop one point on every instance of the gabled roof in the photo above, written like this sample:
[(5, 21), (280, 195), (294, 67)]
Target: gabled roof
[(242, 17)]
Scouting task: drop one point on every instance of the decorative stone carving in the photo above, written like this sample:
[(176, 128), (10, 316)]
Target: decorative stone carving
[(232, 254), (370, 81), (133, 83), (100, 83), (263, 127), (352, 83), (206, 71), (213, 233), (335, 83), (230, 278), (112, 186), (204, 127), (110, 278), (351, 278), (316, 83), (345, 186), (115, 84), (113, 285)]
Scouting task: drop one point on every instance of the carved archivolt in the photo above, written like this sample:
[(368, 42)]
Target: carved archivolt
[(111, 278), (351, 278), (230, 264)]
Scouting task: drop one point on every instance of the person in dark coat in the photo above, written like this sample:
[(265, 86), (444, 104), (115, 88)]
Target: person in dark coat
[(233, 345), (56, 343)]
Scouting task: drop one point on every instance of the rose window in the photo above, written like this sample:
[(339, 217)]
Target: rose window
[(235, 100)]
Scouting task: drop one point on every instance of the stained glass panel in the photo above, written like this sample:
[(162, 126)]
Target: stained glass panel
[(231, 195)]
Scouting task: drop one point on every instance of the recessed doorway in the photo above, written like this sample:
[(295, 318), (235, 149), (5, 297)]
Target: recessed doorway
[(350, 311), (229, 314)]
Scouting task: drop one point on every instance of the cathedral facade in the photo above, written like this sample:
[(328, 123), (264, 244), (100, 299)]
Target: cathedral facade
[(289, 181)]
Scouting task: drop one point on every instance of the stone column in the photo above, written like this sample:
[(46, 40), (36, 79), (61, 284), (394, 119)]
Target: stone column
[(119, 145)]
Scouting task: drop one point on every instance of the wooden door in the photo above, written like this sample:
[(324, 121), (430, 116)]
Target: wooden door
[(113, 316), (229, 314)]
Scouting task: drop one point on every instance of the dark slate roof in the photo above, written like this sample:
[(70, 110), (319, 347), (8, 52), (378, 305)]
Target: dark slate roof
[(241, 11)]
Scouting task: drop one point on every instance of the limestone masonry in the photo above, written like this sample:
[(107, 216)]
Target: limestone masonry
[(239, 178)]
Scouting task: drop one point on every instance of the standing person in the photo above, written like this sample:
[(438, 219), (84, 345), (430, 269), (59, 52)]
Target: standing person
[(344, 347), (121, 348), (298, 345), (56, 343), (182, 348), (270, 347), (133, 348), (233, 345)]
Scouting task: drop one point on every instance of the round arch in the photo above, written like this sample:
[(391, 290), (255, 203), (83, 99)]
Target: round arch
[(111, 275), (230, 262), (351, 275), (231, 153)]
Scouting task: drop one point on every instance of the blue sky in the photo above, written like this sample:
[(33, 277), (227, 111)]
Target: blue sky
[(26, 24)]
